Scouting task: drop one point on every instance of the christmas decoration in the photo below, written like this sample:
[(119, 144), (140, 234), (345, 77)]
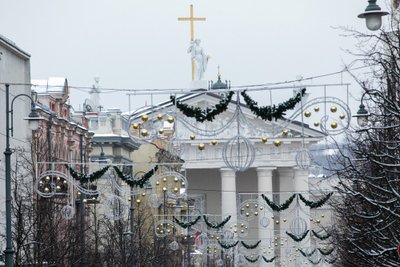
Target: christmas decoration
[(203, 115), (298, 238), (227, 245), (321, 237), (253, 246), (281, 207), (325, 252), (252, 260), (269, 260), (133, 182), (84, 178), (307, 255), (274, 112), (186, 225), (316, 204), (216, 225)]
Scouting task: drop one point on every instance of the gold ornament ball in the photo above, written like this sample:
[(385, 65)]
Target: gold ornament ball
[(164, 189), (333, 109), (47, 178), (264, 139), (46, 189), (334, 125), (342, 116), (247, 206), (214, 142), (247, 214), (183, 183), (285, 132), (164, 179), (242, 231), (138, 201), (316, 109), (192, 137), (145, 118), (307, 114), (161, 130), (159, 117), (261, 208), (176, 189), (58, 188), (170, 119), (277, 143), (176, 179), (143, 194), (135, 126), (284, 220), (316, 123), (157, 183), (144, 132), (58, 179), (277, 222), (256, 213), (202, 146)]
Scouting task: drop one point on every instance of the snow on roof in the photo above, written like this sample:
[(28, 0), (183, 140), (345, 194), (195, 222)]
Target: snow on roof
[(53, 84)]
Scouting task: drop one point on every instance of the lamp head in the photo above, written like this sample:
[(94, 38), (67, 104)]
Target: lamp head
[(373, 16), (362, 116), (33, 118)]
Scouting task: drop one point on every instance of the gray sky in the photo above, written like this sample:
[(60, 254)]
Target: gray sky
[(140, 44)]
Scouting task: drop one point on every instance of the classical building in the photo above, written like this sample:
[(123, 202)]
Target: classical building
[(234, 159)]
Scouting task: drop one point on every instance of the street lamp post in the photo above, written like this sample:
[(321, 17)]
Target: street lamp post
[(373, 16), (34, 125)]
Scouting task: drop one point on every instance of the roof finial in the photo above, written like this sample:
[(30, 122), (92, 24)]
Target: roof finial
[(219, 73)]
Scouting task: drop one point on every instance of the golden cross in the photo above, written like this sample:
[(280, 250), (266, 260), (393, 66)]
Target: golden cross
[(192, 19)]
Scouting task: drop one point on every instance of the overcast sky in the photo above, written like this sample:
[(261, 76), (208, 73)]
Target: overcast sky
[(140, 44)]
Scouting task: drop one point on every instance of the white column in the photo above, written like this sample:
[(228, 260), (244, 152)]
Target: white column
[(264, 180), (228, 194)]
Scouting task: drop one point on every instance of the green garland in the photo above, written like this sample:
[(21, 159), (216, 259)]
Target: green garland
[(84, 178), (186, 225), (133, 182), (316, 204), (276, 207), (274, 112), (326, 252), (216, 225), (203, 115), (298, 238), (332, 261), (251, 246), (228, 245), (251, 260), (315, 262), (307, 255), (321, 237), (269, 260)]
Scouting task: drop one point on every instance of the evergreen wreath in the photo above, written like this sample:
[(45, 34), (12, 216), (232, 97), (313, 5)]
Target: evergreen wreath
[(316, 204), (203, 115), (315, 262), (298, 238), (326, 252), (215, 225), (332, 261), (321, 237), (227, 245), (272, 112), (253, 246), (251, 260), (269, 260), (133, 182), (84, 178), (276, 207), (307, 255), (186, 225)]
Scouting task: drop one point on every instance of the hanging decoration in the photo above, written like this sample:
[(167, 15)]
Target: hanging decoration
[(186, 225), (316, 204), (227, 245), (133, 182), (269, 260), (332, 261), (307, 255), (326, 252), (315, 262), (203, 115), (252, 260), (67, 212), (253, 246), (281, 207), (272, 112), (216, 225), (84, 178), (321, 237), (296, 237)]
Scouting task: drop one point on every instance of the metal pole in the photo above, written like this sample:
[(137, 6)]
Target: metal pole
[(9, 251), (82, 208), (132, 225), (49, 125)]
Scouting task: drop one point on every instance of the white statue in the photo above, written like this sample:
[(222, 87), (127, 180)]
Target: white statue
[(200, 59)]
